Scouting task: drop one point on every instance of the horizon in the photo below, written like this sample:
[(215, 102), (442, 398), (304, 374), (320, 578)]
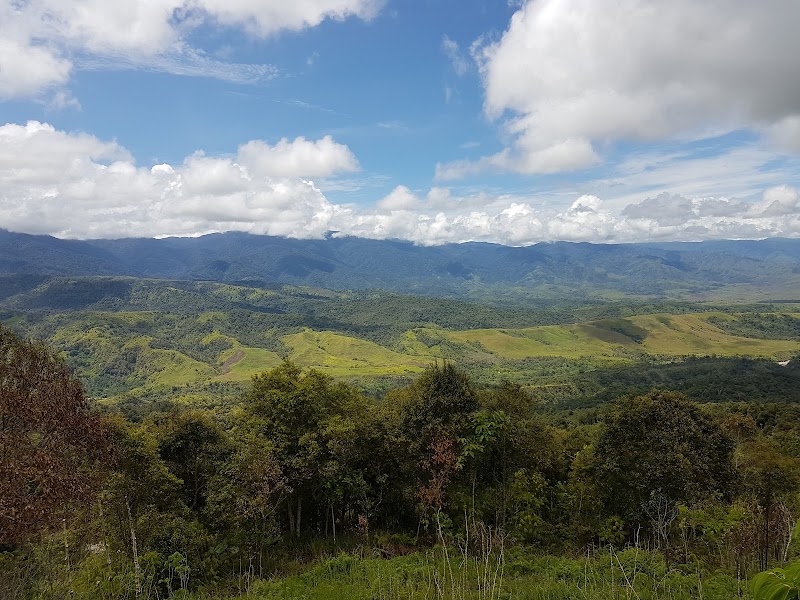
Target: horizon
[(327, 237)]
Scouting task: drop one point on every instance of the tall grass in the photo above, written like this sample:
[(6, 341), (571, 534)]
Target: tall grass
[(442, 574)]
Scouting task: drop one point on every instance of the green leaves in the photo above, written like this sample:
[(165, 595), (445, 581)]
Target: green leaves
[(664, 444), (486, 427), (777, 584)]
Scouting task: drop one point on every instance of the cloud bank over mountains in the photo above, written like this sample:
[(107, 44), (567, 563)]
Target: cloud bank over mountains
[(78, 186)]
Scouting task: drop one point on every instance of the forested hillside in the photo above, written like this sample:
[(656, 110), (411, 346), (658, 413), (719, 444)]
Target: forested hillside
[(442, 488), (256, 439), (730, 269), (136, 340)]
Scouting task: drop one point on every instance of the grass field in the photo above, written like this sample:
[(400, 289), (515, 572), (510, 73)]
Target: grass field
[(607, 575), (661, 334), (118, 352), (242, 363), (338, 354)]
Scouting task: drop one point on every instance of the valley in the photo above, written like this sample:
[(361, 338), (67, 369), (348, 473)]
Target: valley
[(389, 416), (132, 338)]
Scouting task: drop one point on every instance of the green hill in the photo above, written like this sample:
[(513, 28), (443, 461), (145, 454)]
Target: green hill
[(118, 353)]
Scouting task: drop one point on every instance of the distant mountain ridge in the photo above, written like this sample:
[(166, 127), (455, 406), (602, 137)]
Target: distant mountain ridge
[(704, 269)]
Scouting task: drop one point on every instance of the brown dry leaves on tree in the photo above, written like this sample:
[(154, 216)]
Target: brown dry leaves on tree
[(50, 443), (440, 467)]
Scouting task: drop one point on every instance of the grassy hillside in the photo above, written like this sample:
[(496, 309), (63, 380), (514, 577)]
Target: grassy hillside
[(619, 339), (143, 338), (140, 352)]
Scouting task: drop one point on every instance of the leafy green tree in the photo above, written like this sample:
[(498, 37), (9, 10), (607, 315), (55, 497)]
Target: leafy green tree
[(311, 424), (769, 475), (528, 495), (193, 447), (508, 451), (141, 493), (657, 450), (247, 492), (437, 403), (427, 423), (143, 515)]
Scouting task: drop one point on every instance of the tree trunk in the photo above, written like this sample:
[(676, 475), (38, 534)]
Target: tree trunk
[(291, 519), (137, 573), (299, 513), (333, 522)]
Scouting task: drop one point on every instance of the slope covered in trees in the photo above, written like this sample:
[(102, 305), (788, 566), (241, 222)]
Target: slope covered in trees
[(201, 341), (477, 485), (734, 269), (435, 442)]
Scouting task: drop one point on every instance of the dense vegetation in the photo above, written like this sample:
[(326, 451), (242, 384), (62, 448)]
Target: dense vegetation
[(439, 488), (134, 342), (486, 272), (273, 441)]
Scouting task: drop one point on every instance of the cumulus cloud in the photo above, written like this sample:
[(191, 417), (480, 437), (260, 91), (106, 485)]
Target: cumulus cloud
[(78, 186), (778, 201), (401, 198), (568, 76), (25, 69), (671, 210), (299, 158), (265, 17), (75, 185), (39, 40)]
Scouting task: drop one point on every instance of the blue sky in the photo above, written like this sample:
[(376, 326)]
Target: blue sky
[(428, 120)]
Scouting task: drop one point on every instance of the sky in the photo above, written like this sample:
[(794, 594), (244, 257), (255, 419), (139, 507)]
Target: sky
[(432, 121)]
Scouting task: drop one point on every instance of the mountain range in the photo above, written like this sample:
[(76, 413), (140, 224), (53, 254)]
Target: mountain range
[(744, 269)]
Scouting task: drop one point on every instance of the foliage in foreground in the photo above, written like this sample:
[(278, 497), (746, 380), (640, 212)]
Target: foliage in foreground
[(777, 584), (602, 575), (479, 484)]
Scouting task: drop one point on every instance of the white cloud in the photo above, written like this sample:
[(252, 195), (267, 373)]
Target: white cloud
[(401, 198), (76, 185), (672, 210), (571, 75), (265, 17), (42, 41), (100, 26), (26, 69), (742, 171), (180, 59), (299, 158), (457, 59), (63, 100), (778, 201), (584, 220)]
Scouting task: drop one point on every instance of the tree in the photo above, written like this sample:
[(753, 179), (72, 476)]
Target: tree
[(438, 403), (769, 475), (50, 442), (428, 423), (311, 424), (193, 446), (656, 450)]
